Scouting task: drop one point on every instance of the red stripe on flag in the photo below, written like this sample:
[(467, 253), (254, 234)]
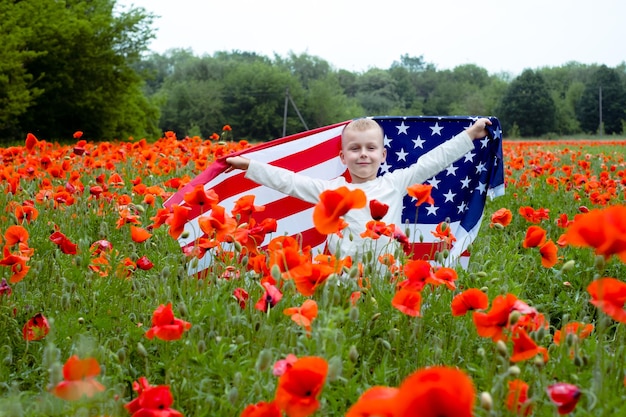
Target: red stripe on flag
[(282, 208)]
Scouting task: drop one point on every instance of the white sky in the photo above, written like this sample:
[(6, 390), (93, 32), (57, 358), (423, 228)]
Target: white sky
[(497, 35)]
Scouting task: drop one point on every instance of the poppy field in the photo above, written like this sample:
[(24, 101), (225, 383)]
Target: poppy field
[(100, 317)]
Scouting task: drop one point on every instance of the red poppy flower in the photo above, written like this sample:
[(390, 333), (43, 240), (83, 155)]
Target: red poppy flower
[(375, 402), (535, 236), (201, 197), (609, 295), (517, 398), (443, 276), (165, 326), (581, 330), (244, 208), (604, 230), (375, 229), (333, 204), (417, 273), (303, 315), (502, 217), (444, 233), (565, 396), (300, 386), (378, 210), (177, 220), (548, 253), (436, 391), (470, 299), (308, 276), (144, 263), (217, 224), (30, 142), (15, 234), (152, 401), (262, 409), (19, 269), (563, 221), (241, 296), (525, 348), (407, 301), (139, 234), (493, 322), (79, 379), (270, 297), (421, 193), (36, 328), (64, 243)]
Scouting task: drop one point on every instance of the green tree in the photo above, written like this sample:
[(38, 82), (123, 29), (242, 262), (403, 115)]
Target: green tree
[(606, 81), (529, 105), (16, 91), (80, 69)]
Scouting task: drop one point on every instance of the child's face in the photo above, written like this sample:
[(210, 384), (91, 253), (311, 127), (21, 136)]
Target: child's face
[(363, 152)]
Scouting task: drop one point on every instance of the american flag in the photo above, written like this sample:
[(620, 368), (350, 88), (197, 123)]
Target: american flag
[(459, 191)]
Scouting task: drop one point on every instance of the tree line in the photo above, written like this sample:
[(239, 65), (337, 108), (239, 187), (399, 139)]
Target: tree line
[(85, 65)]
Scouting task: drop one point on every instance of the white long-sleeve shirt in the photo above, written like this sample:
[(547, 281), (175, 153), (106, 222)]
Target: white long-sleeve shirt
[(389, 189)]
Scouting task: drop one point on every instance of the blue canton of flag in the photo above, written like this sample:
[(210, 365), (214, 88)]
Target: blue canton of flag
[(460, 191)]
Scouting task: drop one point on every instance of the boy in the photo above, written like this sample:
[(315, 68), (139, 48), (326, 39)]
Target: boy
[(363, 151)]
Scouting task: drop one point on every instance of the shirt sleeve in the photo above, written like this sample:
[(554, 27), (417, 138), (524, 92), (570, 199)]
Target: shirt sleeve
[(433, 162), (287, 182)]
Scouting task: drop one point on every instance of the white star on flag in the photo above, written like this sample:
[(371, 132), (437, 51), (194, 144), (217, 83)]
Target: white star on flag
[(402, 128), (419, 142), (436, 129), (401, 155)]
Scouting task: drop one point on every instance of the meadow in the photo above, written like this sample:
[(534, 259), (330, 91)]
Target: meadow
[(98, 315)]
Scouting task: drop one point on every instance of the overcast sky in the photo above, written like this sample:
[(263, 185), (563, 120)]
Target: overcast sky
[(497, 35)]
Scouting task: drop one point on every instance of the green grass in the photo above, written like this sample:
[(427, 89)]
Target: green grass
[(224, 361)]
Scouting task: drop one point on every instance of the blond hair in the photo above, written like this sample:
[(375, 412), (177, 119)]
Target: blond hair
[(361, 125)]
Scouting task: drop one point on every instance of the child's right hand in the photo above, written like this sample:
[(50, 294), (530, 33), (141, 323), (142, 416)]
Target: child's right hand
[(237, 162), (479, 129)]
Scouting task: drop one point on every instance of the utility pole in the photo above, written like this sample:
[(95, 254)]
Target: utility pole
[(600, 109), (288, 100)]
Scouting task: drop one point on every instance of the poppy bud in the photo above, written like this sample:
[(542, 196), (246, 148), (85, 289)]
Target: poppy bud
[(8, 356), (486, 402), (481, 274), (121, 355), (600, 262), (233, 395), (484, 289), (354, 314), (514, 317), (275, 272), (385, 343), (201, 346), (244, 261), (501, 348), (264, 360), (568, 266), (334, 368), (578, 361), (81, 320), (538, 361), (184, 234), (514, 370), (498, 226), (142, 350), (480, 352), (353, 354)]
